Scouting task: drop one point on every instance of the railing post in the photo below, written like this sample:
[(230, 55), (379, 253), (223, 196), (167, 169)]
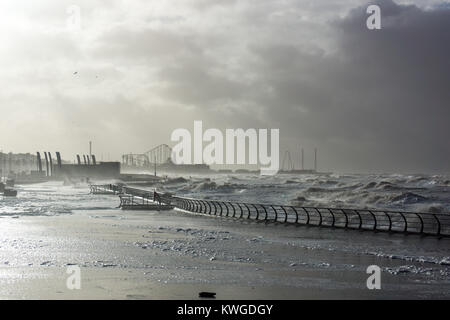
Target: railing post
[(421, 222), (390, 220), (220, 204), (296, 214), (360, 219), (226, 206), (199, 206), (374, 220), (257, 211), (285, 214), (248, 209), (276, 213), (240, 208), (265, 212), (406, 222), (320, 215), (346, 218), (209, 206), (438, 233), (332, 214), (307, 214)]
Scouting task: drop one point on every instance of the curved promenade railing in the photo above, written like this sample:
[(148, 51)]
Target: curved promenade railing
[(363, 219), (437, 224)]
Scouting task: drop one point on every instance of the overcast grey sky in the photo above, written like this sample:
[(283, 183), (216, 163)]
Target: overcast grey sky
[(368, 100)]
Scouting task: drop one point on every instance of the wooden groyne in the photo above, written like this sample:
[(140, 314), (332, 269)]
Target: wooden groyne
[(436, 224)]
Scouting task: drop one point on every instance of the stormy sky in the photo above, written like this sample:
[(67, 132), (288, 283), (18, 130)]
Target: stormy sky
[(369, 100)]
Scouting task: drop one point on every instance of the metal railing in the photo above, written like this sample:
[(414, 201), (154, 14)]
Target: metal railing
[(437, 224), (362, 219), (112, 189), (131, 200)]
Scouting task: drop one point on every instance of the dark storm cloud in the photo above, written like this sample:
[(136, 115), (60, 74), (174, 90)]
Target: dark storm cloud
[(369, 100), (378, 101)]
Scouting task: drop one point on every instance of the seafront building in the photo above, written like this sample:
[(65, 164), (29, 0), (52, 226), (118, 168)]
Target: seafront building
[(17, 163)]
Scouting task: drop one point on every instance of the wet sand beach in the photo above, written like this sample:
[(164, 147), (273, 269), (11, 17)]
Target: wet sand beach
[(175, 255)]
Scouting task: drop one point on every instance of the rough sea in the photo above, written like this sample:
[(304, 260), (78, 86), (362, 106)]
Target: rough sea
[(421, 193)]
